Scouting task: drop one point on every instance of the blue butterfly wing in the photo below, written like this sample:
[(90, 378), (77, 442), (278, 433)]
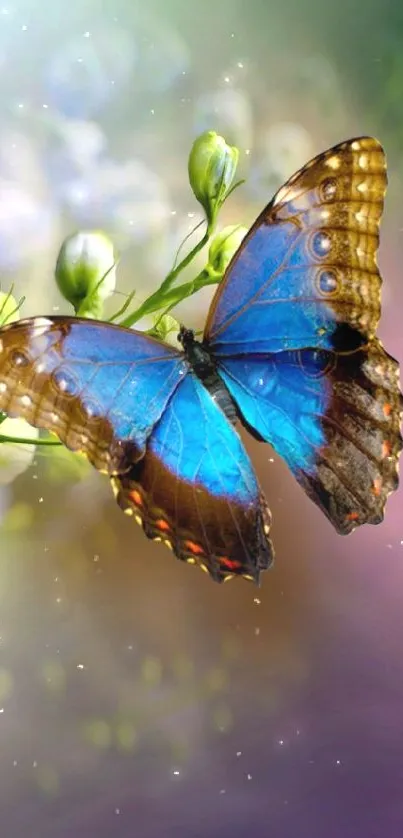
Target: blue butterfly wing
[(306, 274), (196, 490), (293, 325), (99, 387)]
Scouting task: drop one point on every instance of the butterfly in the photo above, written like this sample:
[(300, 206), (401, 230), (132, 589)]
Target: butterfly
[(289, 349)]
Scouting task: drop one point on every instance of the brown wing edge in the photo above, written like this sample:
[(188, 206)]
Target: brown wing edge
[(221, 537)]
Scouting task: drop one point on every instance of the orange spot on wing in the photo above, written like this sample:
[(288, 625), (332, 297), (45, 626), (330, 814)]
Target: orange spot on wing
[(162, 525), (386, 449), (194, 548), (136, 497), (387, 409), (229, 563), (377, 486), (352, 516)]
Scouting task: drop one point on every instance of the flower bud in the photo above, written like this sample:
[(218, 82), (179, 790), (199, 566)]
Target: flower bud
[(9, 309), (165, 326), (86, 271), (223, 247), (212, 166)]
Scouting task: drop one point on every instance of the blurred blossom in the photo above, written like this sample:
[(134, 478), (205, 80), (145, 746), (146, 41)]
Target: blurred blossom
[(127, 198), (164, 55), (318, 82), (86, 71), (286, 146), (16, 457), (84, 141), (230, 112), (26, 226)]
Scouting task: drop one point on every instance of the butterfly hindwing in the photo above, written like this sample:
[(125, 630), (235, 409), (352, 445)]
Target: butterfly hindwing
[(196, 490), (335, 420), (308, 264), (99, 387)]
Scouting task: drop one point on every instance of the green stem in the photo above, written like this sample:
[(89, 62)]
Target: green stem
[(186, 260), (26, 441), (161, 298)]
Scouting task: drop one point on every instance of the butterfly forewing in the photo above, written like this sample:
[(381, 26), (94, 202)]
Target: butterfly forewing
[(309, 261), (100, 388)]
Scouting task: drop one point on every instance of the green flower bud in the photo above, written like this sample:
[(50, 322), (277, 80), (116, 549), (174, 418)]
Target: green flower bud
[(86, 271), (9, 309), (165, 326), (223, 247), (212, 166)]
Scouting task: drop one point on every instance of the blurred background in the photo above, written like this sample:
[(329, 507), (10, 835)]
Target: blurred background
[(137, 697)]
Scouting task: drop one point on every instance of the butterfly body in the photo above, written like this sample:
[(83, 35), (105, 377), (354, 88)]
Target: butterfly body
[(289, 349), (203, 365)]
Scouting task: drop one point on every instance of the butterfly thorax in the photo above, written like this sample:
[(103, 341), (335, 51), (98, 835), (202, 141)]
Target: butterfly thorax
[(204, 366)]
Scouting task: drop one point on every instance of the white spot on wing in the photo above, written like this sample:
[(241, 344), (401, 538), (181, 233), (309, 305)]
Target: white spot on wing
[(40, 326), (26, 400), (363, 161), (333, 162), (3, 386)]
